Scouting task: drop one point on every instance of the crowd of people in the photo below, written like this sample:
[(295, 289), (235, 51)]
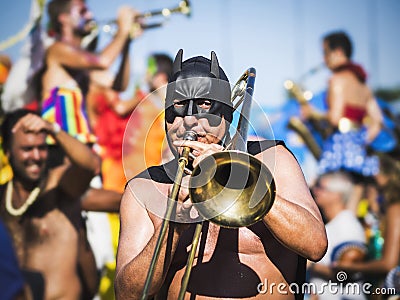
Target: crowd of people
[(368, 195), (88, 178)]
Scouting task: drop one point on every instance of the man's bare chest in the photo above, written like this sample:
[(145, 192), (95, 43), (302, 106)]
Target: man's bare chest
[(216, 241), (37, 231), (44, 224)]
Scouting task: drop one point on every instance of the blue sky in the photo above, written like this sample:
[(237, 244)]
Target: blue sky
[(281, 39)]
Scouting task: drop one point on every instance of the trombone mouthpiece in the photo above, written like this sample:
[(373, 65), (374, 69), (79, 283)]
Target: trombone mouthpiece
[(190, 136)]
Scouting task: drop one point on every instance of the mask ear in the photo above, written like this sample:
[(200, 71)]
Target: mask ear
[(177, 66), (214, 65)]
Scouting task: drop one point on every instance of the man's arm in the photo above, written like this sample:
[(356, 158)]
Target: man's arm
[(84, 162), (375, 118), (336, 98), (101, 200), (121, 79), (138, 236), (65, 54), (294, 218)]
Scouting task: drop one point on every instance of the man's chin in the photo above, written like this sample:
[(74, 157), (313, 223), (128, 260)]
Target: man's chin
[(35, 176), (33, 179), (82, 33)]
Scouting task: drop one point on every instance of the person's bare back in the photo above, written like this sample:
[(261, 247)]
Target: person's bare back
[(354, 92)]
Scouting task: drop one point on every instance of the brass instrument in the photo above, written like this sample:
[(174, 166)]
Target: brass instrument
[(297, 125), (233, 188), (109, 26), (301, 95), (317, 121), (183, 7), (230, 188), (182, 163)]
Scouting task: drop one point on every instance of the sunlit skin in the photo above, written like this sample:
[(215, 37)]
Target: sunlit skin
[(288, 220), (80, 16), (66, 51), (28, 156), (333, 57), (344, 89)]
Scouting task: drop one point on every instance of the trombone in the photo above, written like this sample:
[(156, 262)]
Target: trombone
[(228, 201)]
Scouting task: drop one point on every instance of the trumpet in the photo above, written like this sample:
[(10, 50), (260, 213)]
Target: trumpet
[(183, 7), (230, 188)]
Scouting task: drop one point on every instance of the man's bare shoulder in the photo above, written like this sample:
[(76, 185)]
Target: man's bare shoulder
[(147, 193), (276, 155), (54, 49), (61, 51), (344, 77)]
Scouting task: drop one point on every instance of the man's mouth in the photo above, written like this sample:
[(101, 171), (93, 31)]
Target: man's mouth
[(34, 169)]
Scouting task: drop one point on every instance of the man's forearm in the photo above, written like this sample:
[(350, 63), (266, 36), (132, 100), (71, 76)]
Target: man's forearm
[(130, 279), (113, 49), (79, 153)]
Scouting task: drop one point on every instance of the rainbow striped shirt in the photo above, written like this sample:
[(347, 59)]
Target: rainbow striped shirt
[(66, 107)]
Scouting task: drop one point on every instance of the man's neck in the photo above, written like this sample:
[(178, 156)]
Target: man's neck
[(24, 186), (339, 62), (70, 38)]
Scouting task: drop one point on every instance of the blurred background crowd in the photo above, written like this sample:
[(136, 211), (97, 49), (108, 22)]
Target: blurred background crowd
[(101, 75)]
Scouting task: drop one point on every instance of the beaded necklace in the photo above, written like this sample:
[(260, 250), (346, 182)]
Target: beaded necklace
[(29, 201)]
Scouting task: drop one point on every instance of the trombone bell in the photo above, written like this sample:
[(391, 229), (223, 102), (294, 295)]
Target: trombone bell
[(232, 189)]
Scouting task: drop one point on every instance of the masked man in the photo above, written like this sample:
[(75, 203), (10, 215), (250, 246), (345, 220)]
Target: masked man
[(231, 262)]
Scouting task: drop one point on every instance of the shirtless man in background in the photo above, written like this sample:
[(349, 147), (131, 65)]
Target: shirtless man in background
[(41, 206)]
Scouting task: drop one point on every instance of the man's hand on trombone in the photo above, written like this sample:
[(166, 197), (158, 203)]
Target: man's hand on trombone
[(200, 150), (185, 212)]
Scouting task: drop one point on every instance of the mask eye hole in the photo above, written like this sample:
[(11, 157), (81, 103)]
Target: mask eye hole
[(203, 105), (180, 106), (178, 103)]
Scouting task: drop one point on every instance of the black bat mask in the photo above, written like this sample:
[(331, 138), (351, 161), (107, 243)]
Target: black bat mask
[(194, 82)]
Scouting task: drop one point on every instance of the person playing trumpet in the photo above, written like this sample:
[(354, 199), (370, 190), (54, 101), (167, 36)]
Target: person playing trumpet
[(231, 262), (67, 64)]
